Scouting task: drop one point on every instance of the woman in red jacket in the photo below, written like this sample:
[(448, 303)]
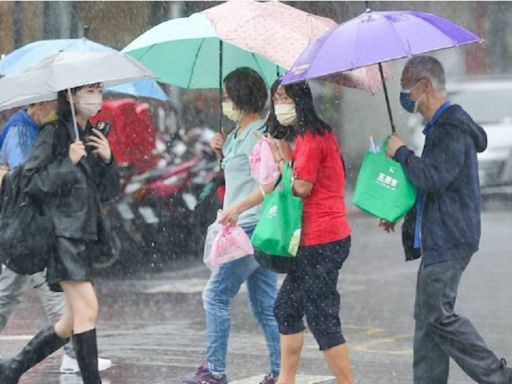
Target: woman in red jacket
[(310, 288)]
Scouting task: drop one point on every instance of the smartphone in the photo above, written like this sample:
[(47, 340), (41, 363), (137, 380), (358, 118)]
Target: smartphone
[(104, 127)]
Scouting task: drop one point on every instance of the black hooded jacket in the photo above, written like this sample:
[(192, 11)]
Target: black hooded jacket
[(447, 174), (71, 193)]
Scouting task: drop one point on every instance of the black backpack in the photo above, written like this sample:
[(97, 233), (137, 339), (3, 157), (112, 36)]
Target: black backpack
[(27, 234)]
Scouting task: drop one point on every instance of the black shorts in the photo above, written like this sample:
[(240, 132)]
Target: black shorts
[(310, 289), (71, 261)]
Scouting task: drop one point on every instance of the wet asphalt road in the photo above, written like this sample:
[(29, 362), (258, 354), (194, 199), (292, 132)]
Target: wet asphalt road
[(152, 326)]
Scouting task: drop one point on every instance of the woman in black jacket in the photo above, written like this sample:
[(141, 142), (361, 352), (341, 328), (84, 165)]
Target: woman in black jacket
[(70, 177)]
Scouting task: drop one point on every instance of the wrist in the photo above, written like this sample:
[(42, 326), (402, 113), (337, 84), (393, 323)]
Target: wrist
[(108, 160), (238, 208), (400, 153)]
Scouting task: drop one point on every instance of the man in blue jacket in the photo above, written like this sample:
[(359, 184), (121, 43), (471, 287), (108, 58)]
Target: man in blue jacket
[(17, 140), (443, 227)]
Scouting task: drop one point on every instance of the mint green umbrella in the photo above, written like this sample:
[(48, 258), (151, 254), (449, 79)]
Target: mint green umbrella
[(188, 53)]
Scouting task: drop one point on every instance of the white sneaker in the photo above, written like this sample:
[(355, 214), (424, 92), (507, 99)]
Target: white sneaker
[(70, 365)]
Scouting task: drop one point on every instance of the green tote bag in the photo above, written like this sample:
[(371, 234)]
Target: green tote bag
[(278, 230), (382, 188)]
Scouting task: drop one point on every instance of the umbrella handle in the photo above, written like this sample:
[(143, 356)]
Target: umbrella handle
[(393, 129), (73, 114), (221, 55)]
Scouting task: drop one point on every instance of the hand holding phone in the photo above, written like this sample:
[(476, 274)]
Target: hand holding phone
[(98, 143), (104, 127)]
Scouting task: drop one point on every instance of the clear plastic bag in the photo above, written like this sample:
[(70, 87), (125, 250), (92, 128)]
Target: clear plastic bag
[(261, 160)]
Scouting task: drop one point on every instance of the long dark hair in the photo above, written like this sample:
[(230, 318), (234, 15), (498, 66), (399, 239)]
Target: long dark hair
[(308, 120)]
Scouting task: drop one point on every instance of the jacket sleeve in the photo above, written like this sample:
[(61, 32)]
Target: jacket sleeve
[(107, 180), (43, 174), (436, 169)]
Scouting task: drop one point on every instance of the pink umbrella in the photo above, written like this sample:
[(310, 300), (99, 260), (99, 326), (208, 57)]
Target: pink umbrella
[(280, 33)]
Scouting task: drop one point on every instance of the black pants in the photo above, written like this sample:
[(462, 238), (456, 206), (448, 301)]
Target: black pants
[(310, 289)]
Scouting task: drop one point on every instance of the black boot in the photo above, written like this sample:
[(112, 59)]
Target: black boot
[(42, 345), (86, 349)]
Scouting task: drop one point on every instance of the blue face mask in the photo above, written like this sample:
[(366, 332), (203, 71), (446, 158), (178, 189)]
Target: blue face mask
[(406, 102)]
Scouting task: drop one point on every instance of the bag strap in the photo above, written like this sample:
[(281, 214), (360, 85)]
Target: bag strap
[(286, 172), (286, 175), (278, 181)]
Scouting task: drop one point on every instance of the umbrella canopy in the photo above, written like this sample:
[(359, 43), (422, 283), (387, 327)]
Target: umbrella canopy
[(275, 31), (185, 52), (375, 37), (34, 52), (66, 70), (279, 33), (196, 51)]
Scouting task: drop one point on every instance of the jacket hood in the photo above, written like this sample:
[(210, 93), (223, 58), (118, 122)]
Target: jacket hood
[(455, 115)]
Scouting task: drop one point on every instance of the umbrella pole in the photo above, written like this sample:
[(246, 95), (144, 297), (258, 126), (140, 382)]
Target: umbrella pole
[(73, 114), (221, 54), (393, 129)]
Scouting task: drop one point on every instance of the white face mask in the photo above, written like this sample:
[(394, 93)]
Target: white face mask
[(228, 109), (88, 104), (285, 114)]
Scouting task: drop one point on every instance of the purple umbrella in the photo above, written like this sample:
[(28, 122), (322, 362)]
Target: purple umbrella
[(375, 37)]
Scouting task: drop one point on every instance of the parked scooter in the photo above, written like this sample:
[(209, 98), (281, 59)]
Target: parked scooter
[(154, 221)]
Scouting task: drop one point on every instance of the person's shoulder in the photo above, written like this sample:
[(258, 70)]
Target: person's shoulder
[(253, 131), (15, 131), (48, 129), (260, 125), (18, 125), (454, 114), (257, 127), (51, 126), (313, 138), (455, 117)]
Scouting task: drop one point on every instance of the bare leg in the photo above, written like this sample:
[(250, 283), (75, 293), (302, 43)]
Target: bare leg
[(84, 304), (291, 347), (338, 360), (64, 327)]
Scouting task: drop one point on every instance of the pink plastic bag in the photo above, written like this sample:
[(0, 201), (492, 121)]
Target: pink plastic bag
[(231, 243), (263, 167)]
